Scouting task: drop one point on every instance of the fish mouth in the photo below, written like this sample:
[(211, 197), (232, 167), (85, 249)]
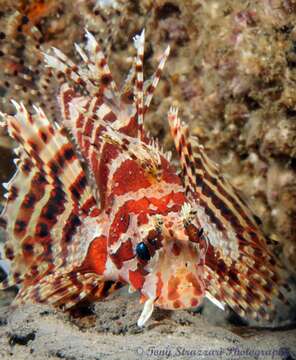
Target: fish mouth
[(175, 278), (181, 294), (181, 282), (184, 289), (180, 286)]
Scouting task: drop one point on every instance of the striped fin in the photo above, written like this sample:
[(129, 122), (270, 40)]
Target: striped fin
[(66, 289), (127, 89), (93, 74), (47, 203), (151, 84), (125, 110), (139, 41), (103, 123), (248, 284), (98, 66), (241, 271), (50, 150)]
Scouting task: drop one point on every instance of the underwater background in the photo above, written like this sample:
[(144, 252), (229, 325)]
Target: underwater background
[(232, 73)]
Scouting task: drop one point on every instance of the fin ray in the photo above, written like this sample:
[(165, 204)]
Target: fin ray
[(48, 197), (240, 269)]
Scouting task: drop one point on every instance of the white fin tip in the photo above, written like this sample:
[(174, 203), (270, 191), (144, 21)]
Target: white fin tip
[(215, 301), (139, 40), (167, 51), (146, 313)]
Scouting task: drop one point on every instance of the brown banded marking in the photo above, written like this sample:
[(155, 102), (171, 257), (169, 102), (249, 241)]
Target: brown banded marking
[(47, 206), (89, 138), (220, 186), (13, 193), (26, 167), (80, 125), (244, 296), (66, 289), (231, 210), (78, 186), (127, 89), (101, 69), (192, 177), (97, 79), (241, 273), (33, 144), (41, 226), (213, 193), (207, 186), (60, 159), (230, 204), (27, 206), (65, 67), (19, 215), (149, 91), (70, 228), (66, 95)]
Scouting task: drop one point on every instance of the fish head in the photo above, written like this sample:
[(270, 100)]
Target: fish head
[(170, 263)]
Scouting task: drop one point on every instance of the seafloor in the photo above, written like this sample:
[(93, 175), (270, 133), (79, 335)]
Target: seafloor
[(232, 73)]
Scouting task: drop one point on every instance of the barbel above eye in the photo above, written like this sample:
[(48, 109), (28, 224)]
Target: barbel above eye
[(194, 233), (142, 251)]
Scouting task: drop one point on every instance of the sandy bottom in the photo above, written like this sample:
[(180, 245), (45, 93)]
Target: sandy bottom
[(110, 332)]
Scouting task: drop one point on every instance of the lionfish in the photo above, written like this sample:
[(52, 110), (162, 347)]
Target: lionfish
[(96, 204)]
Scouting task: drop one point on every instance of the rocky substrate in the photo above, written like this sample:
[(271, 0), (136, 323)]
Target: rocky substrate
[(109, 331)]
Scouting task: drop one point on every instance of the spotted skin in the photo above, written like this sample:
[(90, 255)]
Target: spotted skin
[(84, 218)]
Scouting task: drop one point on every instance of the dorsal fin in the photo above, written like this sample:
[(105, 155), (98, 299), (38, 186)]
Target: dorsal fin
[(93, 74), (139, 41), (96, 106), (149, 90), (124, 110)]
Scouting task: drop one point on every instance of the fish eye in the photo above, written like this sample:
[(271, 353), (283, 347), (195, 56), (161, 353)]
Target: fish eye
[(142, 251)]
